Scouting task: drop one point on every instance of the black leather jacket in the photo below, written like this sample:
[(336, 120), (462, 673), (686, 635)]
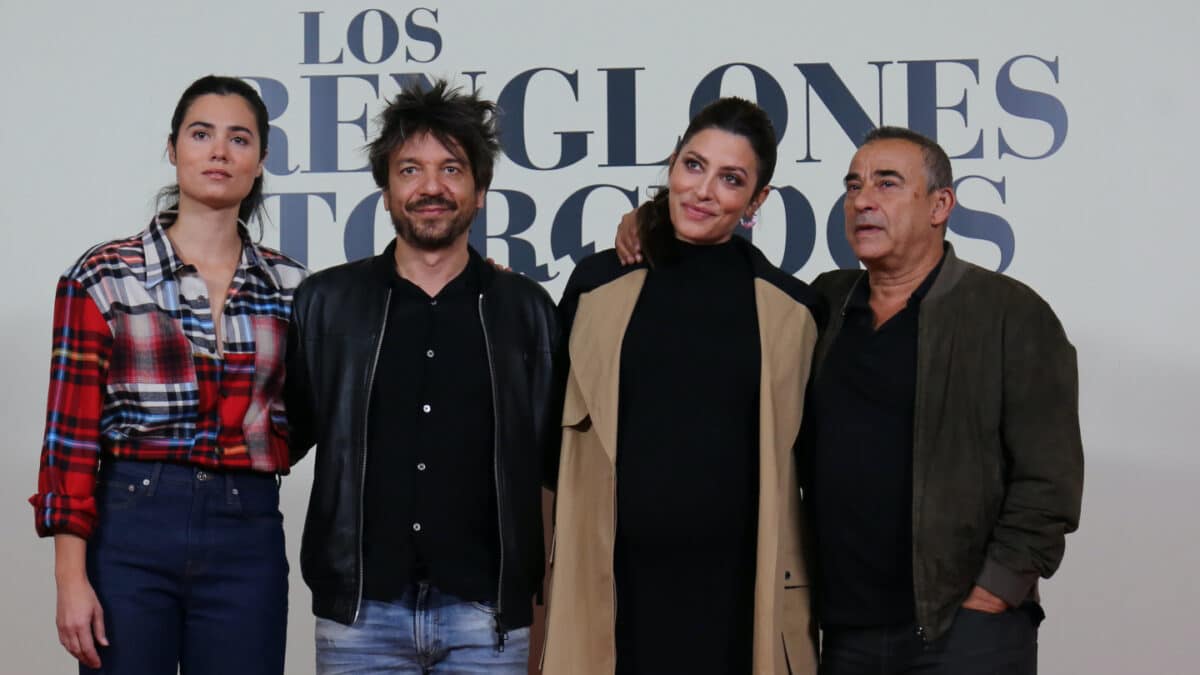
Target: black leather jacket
[(334, 340)]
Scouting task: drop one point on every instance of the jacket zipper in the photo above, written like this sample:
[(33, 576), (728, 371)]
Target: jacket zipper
[(547, 586), (501, 634), (362, 479), (918, 432)]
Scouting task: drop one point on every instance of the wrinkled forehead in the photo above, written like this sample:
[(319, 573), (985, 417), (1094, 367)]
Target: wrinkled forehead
[(425, 142)]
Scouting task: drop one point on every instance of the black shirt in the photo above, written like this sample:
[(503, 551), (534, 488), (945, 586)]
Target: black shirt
[(861, 480), (430, 496), (687, 468)]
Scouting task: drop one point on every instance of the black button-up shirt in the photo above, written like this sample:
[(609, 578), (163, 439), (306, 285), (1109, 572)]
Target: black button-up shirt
[(861, 481), (430, 496)]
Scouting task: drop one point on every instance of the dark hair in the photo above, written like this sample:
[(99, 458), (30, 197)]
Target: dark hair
[(938, 174), (734, 115), (450, 116), (252, 204)]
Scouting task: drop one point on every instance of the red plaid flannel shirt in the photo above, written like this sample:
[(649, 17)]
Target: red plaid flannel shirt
[(135, 372)]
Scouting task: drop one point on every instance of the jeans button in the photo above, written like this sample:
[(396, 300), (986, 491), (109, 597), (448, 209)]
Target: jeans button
[(202, 475)]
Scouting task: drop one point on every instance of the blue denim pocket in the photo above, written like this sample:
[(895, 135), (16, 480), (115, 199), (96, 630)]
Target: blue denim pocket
[(486, 606), (121, 484), (117, 495), (255, 496)]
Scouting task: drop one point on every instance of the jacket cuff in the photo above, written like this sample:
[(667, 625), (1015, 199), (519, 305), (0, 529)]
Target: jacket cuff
[(1009, 586)]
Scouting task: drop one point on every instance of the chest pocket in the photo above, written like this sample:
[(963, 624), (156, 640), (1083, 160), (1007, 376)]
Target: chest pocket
[(152, 389)]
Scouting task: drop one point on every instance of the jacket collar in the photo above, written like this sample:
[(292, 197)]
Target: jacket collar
[(953, 269), (604, 314), (383, 267)]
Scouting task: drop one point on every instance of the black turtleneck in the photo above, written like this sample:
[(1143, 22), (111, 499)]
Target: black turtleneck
[(687, 468)]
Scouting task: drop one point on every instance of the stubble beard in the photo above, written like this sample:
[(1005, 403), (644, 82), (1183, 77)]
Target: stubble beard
[(433, 238)]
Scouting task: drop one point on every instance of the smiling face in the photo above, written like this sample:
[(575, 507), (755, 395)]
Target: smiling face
[(893, 221), (431, 193), (217, 152), (712, 186)]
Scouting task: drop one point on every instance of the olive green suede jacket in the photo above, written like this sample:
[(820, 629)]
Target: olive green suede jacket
[(997, 455)]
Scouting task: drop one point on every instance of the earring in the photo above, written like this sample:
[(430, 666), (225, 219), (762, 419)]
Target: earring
[(749, 221)]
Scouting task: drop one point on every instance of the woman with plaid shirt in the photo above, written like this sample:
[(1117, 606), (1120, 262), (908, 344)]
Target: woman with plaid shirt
[(165, 428)]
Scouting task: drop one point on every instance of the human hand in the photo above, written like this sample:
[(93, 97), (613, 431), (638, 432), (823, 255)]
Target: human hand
[(80, 620), (983, 600), (629, 249), (498, 266)]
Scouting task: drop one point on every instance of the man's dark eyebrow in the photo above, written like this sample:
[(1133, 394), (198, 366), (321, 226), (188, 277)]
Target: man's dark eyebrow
[(888, 173), (850, 176), (410, 159)]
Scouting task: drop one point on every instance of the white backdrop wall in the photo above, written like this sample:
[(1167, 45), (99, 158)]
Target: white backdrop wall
[(1071, 124)]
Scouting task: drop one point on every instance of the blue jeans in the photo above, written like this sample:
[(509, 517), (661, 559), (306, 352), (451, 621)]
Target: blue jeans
[(426, 631), (190, 570)]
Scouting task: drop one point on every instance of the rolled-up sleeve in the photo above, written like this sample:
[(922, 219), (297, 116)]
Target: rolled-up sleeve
[(81, 348)]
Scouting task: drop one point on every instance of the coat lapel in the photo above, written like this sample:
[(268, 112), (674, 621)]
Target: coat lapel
[(595, 349), (787, 333)]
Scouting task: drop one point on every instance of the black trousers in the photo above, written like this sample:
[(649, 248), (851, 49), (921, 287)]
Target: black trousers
[(976, 644)]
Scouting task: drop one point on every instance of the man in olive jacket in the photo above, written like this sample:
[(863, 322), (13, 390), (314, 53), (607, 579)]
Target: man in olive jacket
[(942, 455)]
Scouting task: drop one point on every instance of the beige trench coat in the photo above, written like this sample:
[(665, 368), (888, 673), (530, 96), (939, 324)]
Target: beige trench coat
[(580, 634)]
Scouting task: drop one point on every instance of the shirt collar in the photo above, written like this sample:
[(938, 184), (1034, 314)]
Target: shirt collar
[(468, 282), (163, 263), (861, 295)]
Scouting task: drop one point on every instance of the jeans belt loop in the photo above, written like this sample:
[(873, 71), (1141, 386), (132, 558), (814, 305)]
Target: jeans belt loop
[(155, 477), (231, 491)]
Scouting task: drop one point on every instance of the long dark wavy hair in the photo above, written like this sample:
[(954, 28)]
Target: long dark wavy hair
[(252, 204), (733, 115)]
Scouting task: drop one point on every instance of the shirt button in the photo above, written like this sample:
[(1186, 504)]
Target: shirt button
[(426, 407), (433, 302), (416, 527), (429, 353), (420, 466)]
